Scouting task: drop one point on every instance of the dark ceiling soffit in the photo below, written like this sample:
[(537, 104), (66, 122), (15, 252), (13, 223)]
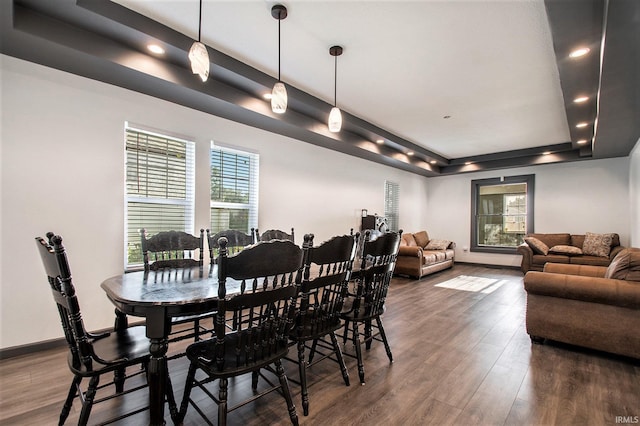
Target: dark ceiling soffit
[(90, 45)]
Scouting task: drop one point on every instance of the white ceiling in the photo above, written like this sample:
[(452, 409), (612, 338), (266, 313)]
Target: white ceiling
[(488, 64)]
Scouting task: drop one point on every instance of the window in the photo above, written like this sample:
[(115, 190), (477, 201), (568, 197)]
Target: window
[(391, 204), (234, 189), (502, 213), (159, 188)]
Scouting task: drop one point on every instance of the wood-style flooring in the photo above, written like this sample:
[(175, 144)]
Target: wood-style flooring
[(460, 358)]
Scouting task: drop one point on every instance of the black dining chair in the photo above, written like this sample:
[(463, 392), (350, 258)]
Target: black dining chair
[(377, 261), (275, 234), (252, 325), (327, 269), (176, 251), (93, 355), (236, 241)]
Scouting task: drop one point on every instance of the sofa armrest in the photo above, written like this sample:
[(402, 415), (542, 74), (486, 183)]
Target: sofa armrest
[(413, 251), (451, 245), (614, 251), (527, 256), (587, 289), (573, 269)]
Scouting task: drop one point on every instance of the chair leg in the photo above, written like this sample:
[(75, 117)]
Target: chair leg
[(88, 400), (196, 330), (346, 329), (66, 408), (184, 405), (340, 358), (356, 344), (302, 368), (222, 406), (284, 384), (312, 352), (384, 339), (254, 379), (367, 334), (119, 376)]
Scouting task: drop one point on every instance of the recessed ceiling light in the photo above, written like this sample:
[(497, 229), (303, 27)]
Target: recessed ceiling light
[(581, 99), (582, 141), (410, 153), (579, 52), (433, 162), (546, 153), (581, 125), (380, 141), (154, 48), (267, 96), (466, 163)]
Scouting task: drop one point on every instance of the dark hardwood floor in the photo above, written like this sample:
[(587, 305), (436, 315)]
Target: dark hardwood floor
[(460, 358)]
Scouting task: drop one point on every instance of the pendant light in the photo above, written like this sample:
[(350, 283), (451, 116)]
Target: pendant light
[(279, 93), (335, 116), (198, 54)]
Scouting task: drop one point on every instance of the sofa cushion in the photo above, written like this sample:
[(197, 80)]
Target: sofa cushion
[(568, 250), (422, 238), (408, 240), (589, 260), (537, 246), (597, 244), (625, 266), (553, 239), (437, 245), (540, 259)]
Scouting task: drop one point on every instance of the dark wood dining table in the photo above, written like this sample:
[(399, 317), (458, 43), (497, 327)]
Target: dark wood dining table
[(158, 296)]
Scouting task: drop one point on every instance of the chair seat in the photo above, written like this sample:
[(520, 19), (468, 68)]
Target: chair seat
[(204, 353), (129, 346), (309, 328)]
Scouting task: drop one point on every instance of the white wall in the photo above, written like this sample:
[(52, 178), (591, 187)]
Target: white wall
[(63, 170), (634, 195), (577, 197)]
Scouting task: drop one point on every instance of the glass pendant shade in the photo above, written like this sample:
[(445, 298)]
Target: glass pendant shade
[(335, 120), (199, 58), (279, 98)]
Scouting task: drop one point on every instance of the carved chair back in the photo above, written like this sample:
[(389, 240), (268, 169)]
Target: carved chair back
[(275, 234), (58, 272), (236, 241), (172, 249)]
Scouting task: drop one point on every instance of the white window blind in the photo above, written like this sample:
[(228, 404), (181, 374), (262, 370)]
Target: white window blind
[(234, 189), (160, 180), (392, 204)]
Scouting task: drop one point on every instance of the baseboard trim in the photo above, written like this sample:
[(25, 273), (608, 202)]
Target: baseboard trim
[(45, 345), (486, 265)]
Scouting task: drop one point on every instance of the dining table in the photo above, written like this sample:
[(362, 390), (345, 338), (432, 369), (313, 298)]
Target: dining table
[(158, 296)]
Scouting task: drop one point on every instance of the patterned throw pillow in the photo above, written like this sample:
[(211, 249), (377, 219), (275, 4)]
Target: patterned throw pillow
[(537, 246), (566, 250), (437, 245), (597, 244)]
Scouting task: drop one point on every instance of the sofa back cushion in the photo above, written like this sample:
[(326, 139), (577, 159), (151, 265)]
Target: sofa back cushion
[(408, 240), (553, 239), (422, 238), (625, 266)]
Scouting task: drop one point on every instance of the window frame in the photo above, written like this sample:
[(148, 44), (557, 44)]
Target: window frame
[(476, 184), (254, 184), (392, 204), (188, 202)]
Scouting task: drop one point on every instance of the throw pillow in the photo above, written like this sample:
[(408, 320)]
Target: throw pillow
[(566, 250), (625, 266), (437, 245), (597, 244), (422, 238), (537, 246)]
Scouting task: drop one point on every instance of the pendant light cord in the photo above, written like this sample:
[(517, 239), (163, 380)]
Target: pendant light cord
[(335, 81), (200, 22), (279, 20)]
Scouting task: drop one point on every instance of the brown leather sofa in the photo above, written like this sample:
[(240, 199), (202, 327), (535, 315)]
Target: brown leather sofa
[(577, 304), (535, 258), (419, 255)]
